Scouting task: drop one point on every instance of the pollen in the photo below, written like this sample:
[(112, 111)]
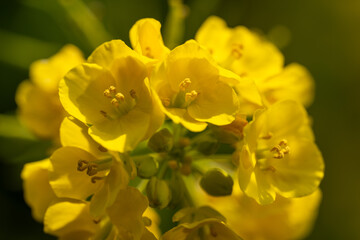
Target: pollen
[(280, 150), (107, 93), (96, 178), (191, 96), (184, 84)]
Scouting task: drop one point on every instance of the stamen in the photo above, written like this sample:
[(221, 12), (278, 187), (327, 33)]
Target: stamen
[(102, 149), (236, 50), (92, 170), (280, 150), (96, 178), (104, 113), (133, 93), (112, 89), (120, 97), (166, 101), (82, 165), (107, 93), (184, 84), (147, 52), (213, 231), (96, 221), (268, 136), (191, 96), (114, 102)]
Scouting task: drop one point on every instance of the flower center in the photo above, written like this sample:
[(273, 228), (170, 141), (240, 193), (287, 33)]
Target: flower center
[(183, 98), (94, 167), (117, 99), (265, 155)]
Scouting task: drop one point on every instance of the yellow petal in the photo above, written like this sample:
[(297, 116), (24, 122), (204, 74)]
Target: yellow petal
[(74, 133), (81, 93), (40, 111), (284, 219), (216, 104), (294, 83), (213, 229), (122, 134), (255, 57), (47, 73), (66, 180), (37, 190), (69, 217), (106, 53), (302, 173), (146, 39), (117, 179), (126, 213), (214, 35), (179, 115), (249, 97)]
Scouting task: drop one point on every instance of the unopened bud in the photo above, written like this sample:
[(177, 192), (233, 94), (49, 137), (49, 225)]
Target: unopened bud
[(158, 193), (208, 145), (162, 141), (146, 166), (217, 183)]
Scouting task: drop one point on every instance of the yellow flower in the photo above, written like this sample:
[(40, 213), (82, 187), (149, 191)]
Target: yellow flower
[(240, 50), (146, 39), (74, 133), (248, 55), (294, 83), (126, 215), (281, 220), (111, 94), (37, 190), (38, 100), (279, 154), (70, 219), (209, 229), (77, 174), (193, 90)]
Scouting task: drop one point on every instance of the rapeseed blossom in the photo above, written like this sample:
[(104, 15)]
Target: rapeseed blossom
[(146, 127)]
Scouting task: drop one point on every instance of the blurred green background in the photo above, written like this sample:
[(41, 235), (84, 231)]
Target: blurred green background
[(323, 35)]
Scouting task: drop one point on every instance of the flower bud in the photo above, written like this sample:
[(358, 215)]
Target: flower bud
[(162, 141), (158, 193), (146, 166), (217, 183), (177, 189)]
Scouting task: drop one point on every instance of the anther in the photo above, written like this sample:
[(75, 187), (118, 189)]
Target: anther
[(268, 136), (191, 96), (96, 178), (120, 97), (91, 170), (280, 150), (114, 102), (104, 113), (107, 93), (147, 52), (236, 50), (184, 84), (166, 102), (82, 165), (132, 93), (96, 221), (112, 89), (102, 149), (213, 231)]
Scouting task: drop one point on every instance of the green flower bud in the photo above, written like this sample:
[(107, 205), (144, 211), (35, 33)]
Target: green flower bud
[(158, 193), (207, 145), (217, 183), (146, 166), (162, 141), (177, 189)]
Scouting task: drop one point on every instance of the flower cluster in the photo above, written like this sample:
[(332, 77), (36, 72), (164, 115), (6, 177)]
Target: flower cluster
[(152, 128)]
